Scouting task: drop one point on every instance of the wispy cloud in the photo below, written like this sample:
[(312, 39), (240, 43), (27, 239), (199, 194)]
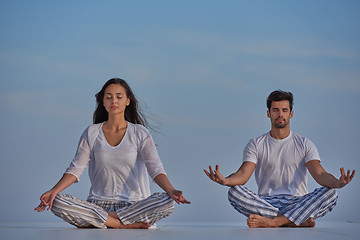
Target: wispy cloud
[(46, 103), (227, 60)]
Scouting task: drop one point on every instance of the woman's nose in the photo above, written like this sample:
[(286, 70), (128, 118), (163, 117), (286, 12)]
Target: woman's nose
[(114, 100)]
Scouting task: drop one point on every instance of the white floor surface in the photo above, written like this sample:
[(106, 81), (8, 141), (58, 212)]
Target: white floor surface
[(222, 231)]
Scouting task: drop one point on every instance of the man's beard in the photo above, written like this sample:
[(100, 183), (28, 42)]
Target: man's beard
[(280, 125)]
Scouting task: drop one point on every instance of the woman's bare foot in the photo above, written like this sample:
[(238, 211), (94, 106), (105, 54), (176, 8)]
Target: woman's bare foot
[(137, 225), (114, 222)]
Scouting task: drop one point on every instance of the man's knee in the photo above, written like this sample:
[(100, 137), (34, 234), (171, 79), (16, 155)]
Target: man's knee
[(333, 196), (333, 192), (236, 195), (237, 192), (330, 193)]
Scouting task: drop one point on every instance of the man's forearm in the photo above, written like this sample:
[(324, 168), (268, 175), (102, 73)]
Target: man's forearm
[(327, 180), (234, 180)]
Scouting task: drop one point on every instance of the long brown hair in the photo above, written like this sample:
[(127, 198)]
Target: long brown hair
[(132, 112)]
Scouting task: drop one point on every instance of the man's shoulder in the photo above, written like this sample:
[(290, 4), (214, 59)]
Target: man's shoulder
[(266, 137), (302, 141), (299, 137), (258, 140)]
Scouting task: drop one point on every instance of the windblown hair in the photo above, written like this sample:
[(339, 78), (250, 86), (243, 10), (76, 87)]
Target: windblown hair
[(132, 112), (280, 95)]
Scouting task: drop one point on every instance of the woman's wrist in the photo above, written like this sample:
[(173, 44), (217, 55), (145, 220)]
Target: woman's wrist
[(170, 190)]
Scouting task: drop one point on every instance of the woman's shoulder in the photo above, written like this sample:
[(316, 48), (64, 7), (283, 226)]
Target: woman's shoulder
[(92, 129), (138, 130)]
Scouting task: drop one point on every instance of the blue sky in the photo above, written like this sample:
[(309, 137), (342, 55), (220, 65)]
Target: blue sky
[(202, 71)]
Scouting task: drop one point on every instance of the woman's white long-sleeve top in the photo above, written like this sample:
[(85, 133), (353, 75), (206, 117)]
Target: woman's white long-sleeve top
[(117, 173)]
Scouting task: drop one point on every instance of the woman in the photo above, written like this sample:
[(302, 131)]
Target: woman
[(120, 153)]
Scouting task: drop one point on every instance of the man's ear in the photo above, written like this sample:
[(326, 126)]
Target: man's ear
[(268, 113)]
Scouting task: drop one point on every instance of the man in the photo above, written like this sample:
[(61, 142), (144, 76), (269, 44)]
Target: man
[(281, 159)]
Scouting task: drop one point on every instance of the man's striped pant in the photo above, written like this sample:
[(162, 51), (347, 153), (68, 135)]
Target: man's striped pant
[(295, 208), (94, 213)]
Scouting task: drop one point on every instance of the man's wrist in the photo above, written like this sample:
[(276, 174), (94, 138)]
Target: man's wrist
[(226, 182)]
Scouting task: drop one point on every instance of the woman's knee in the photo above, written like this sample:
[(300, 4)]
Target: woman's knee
[(78, 212), (161, 200), (166, 201), (59, 201)]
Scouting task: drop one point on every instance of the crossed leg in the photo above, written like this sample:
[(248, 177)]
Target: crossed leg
[(114, 222), (84, 214), (264, 212), (257, 221)]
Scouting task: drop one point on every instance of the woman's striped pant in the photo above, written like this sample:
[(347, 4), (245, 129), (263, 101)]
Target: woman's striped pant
[(86, 214), (297, 209)]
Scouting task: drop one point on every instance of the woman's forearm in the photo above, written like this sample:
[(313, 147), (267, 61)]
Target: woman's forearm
[(64, 182), (163, 182)]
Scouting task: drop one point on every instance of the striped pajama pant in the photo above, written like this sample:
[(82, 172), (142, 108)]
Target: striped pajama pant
[(297, 209), (94, 213)]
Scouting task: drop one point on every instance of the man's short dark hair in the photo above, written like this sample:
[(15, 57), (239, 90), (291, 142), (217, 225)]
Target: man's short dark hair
[(280, 95)]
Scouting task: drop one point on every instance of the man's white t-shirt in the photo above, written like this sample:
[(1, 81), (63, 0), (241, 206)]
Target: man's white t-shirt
[(281, 163), (119, 173)]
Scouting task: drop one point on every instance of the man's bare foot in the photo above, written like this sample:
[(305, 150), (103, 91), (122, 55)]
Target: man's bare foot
[(257, 221), (308, 223)]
